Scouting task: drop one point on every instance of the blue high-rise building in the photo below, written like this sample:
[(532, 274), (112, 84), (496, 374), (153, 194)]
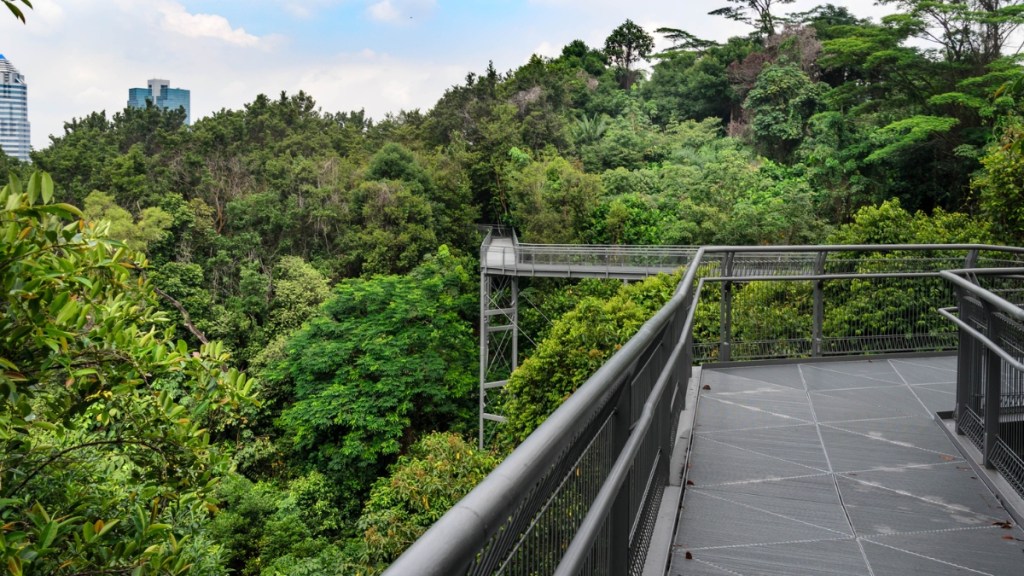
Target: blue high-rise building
[(15, 138), (161, 94)]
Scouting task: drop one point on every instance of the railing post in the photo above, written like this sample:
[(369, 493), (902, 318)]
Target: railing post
[(818, 323), (993, 381), (725, 320), (965, 362), (971, 261)]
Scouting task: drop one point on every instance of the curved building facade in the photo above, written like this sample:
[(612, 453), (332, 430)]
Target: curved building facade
[(15, 137)]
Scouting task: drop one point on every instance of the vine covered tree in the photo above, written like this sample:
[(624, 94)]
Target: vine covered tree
[(627, 45)]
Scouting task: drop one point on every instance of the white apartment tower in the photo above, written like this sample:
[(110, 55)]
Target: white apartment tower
[(14, 127)]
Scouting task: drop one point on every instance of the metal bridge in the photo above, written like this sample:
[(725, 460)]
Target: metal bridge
[(832, 410)]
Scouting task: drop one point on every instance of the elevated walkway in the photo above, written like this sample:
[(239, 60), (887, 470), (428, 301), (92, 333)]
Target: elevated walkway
[(836, 468), (505, 256)]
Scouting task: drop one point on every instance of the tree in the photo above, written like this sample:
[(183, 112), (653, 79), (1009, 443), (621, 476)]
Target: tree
[(683, 41), (757, 13), (627, 45), (389, 357), (550, 200), (1000, 184), (685, 85), (105, 419), (972, 32), (782, 102), (436, 472)]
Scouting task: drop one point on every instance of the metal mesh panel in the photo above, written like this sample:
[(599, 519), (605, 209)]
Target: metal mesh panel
[(772, 320), (887, 315), (535, 537), (970, 425)]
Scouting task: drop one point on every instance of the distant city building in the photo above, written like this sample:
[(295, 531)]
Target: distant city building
[(161, 94), (15, 139)]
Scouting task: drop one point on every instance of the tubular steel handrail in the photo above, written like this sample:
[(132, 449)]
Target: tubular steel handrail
[(607, 431), (990, 368)]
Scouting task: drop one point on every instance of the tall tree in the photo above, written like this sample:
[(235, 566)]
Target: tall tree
[(971, 32), (627, 45), (757, 13)]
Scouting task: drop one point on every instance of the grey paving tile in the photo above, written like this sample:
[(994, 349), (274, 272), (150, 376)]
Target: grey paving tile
[(916, 372), (797, 444), (909, 432), (843, 405), (714, 463), (824, 558), (940, 497), (832, 375), (779, 402), (716, 519), (723, 413), (851, 452), (819, 503), (984, 551), (787, 375), (937, 397)]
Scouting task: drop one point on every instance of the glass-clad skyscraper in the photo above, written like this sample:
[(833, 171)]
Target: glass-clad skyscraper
[(161, 94), (14, 129)]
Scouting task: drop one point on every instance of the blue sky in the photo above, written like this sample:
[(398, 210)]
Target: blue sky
[(81, 56)]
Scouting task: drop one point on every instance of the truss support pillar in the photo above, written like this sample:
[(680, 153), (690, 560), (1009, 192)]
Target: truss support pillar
[(499, 339)]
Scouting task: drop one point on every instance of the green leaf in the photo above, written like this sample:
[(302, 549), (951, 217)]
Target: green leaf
[(47, 187)]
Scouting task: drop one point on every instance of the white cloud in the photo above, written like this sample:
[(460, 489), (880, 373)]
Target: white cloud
[(177, 19), (383, 11), (306, 9), (547, 49)]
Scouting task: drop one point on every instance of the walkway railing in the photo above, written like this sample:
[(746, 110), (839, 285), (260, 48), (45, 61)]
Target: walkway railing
[(990, 371), (579, 495)]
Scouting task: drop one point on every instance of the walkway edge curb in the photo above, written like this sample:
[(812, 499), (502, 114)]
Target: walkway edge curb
[(659, 554)]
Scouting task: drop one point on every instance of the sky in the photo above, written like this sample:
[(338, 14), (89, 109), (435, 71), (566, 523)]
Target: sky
[(81, 56)]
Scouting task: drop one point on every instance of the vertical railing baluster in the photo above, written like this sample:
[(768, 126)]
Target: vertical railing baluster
[(993, 369), (964, 364), (725, 321), (818, 323)]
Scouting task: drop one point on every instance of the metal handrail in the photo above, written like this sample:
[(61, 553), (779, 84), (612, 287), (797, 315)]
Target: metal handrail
[(993, 299), (588, 531), (452, 543), (980, 337), (990, 379)]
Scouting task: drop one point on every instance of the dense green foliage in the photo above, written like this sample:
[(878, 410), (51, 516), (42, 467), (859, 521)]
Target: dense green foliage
[(106, 420), (333, 256), (387, 356)]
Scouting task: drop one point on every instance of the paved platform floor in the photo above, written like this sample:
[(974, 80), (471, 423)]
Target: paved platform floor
[(836, 468)]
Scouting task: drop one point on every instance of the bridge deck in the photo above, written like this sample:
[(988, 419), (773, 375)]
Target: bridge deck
[(835, 468)]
